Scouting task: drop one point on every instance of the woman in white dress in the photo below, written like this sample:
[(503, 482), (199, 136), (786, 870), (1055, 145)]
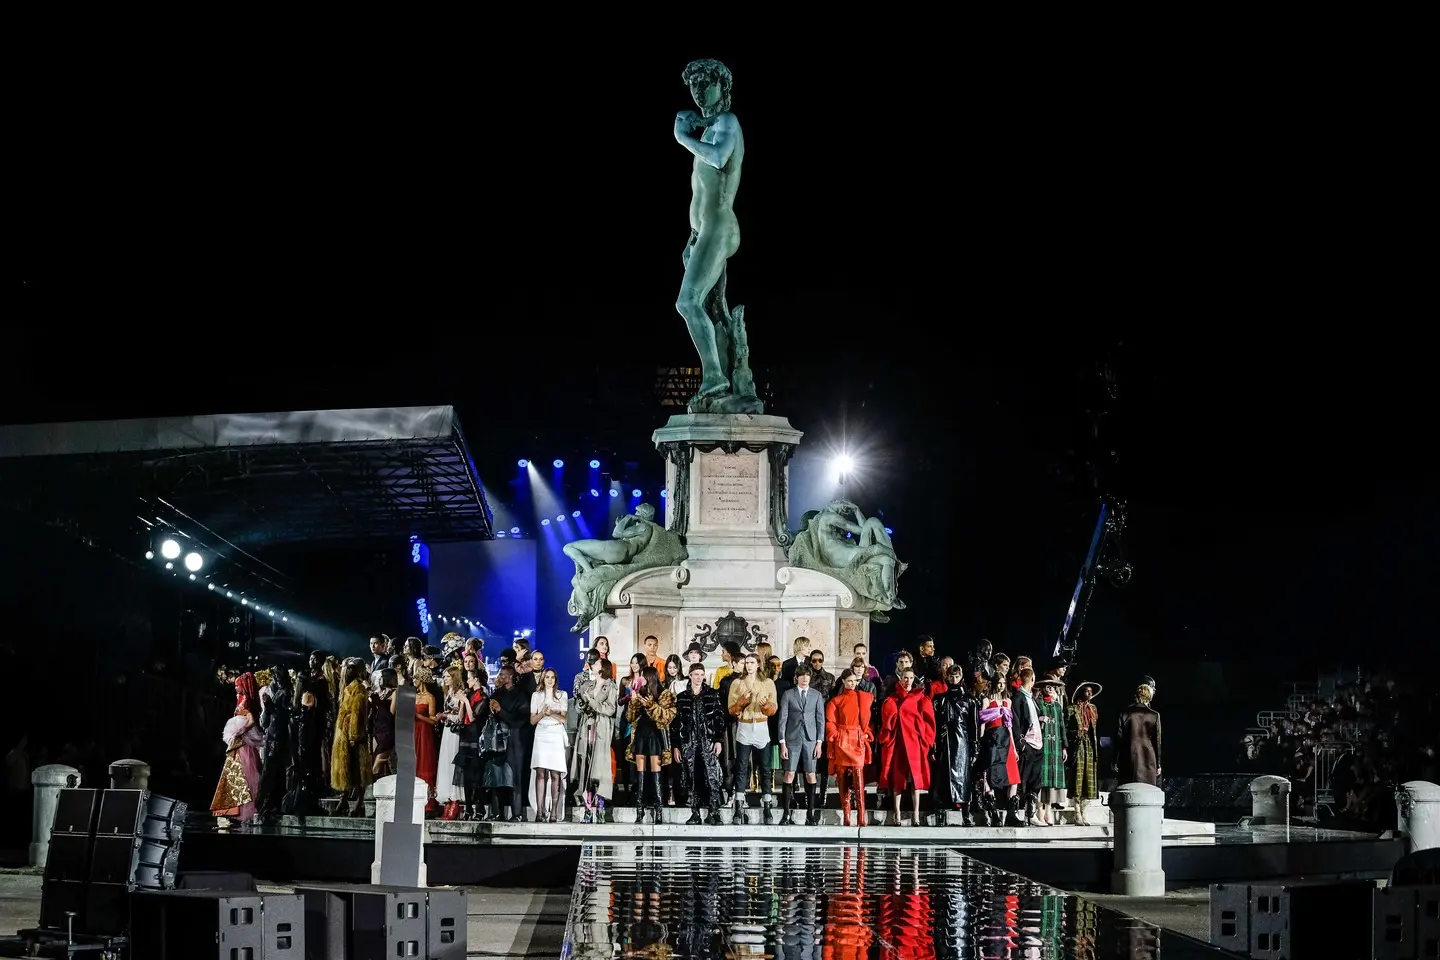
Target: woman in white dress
[(548, 760), (449, 779)]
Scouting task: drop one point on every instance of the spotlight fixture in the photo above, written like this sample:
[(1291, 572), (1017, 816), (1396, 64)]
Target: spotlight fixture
[(635, 493), (558, 463), (594, 464), (284, 619), (514, 529), (272, 613), (209, 586), (522, 463), (576, 514), (193, 562), (663, 494), (170, 549), (169, 566), (545, 522), (561, 518), (149, 554), (594, 492), (192, 576), (888, 531), (501, 534), (614, 491), (842, 464)]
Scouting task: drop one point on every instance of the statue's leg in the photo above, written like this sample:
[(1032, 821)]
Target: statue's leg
[(707, 261), (582, 562), (873, 532)]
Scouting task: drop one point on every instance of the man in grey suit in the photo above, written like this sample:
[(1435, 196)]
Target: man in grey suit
[(802, 734)]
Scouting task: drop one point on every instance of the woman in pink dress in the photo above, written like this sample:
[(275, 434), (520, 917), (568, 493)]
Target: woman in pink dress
[(240, 776)]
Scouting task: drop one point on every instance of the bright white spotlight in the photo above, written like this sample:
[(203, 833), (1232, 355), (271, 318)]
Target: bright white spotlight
[(169, 566), (614, 492), (244, 603), (149, 554), (842, 464), (284, 619), (170, 549), (545, 522), (228, 594), (557, 463), (522, 464), (209, 586), (193, 562), (192, 576), (272, 613), (635, 493)]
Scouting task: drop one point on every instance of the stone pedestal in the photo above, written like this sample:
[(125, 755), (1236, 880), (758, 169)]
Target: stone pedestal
[(1419, 808), (727, 479), (48, 781), (385, 813), (130, 775), (1139, 810), (1269, 800)]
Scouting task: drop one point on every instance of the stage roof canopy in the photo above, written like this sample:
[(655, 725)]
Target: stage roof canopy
[(262, 478)]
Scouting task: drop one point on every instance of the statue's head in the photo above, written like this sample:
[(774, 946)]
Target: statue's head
[(709, 82), (645, 512), (846, 508)]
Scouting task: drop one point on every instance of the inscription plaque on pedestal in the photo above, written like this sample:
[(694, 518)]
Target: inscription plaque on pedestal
[(729, 489)]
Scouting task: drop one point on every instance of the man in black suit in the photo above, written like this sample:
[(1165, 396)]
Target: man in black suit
[(379, 657), (787, 669)]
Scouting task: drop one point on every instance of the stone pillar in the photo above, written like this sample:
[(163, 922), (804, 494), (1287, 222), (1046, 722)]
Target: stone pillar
[(385, 813), (48, 781), (129, 775), (1139, 810), (1269, 800), (1419, 808)]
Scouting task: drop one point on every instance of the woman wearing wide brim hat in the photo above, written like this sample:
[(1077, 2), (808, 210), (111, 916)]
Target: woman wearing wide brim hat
[(1081, 727)]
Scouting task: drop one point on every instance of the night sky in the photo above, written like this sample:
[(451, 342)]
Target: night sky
[(937, 287)]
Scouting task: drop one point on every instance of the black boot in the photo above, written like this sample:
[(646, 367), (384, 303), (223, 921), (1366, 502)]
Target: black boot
[(1012, 816), (992, 810), (642, 796), (657, 794), (714, 818), (787, 797), (966, 818), (738, 814), (813, 803), (694, 820)]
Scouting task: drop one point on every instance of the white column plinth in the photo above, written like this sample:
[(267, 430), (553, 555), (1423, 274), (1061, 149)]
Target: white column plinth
[(48, 781), (1269, 800), (385, 813), (1139, 810), (1419, 807)]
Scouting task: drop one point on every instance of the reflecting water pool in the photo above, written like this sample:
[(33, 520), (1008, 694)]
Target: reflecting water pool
[(837, 901)]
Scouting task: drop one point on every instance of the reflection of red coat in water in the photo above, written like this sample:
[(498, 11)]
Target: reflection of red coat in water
[(906, 922), (907, 734)]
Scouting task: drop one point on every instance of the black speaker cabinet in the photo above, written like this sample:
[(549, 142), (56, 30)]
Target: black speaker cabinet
[(1298, 921), (67, 865), (376, 922), (204, 924)]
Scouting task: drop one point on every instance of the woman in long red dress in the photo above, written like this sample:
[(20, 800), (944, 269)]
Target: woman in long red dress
[(240, 776), (907, 734), (426, 753), (848, 738)]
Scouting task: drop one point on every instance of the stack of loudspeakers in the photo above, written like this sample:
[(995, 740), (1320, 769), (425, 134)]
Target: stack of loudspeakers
[(104, 846), (216, 925), (372, 921)]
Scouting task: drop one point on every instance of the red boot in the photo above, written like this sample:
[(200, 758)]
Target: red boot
[(452, 811)]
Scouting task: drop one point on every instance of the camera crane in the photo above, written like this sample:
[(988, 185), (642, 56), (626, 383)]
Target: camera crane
[(1105, 559)]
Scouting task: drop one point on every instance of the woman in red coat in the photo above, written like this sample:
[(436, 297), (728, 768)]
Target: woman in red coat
[(907, 734)]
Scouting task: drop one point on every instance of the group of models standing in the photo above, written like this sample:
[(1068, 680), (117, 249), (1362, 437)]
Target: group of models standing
[(992, 741)]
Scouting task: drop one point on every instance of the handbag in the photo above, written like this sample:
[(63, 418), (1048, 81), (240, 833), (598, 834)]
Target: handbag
[(495, 738)]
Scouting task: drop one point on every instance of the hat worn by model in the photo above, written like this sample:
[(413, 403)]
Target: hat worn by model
[(1094, 687), (1050, 682)]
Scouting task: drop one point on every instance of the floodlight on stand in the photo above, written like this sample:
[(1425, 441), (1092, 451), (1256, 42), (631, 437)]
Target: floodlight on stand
[(170, 549), (193, 561)]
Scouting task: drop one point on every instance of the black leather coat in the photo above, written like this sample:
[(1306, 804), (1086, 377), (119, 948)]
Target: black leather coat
[(957, 739)]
